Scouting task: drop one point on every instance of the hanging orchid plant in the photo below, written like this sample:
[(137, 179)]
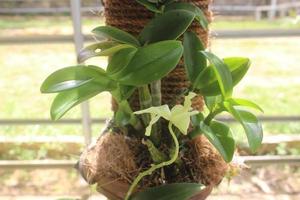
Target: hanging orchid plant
[(139, 63)]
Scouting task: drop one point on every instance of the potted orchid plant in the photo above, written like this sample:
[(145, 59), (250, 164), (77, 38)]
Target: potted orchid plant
[(149, 152)]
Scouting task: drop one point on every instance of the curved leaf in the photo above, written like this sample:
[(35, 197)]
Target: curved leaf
[(115, 34), (220, 135), (222, 73), (101, 49), (212, 101), (168, 26), (120, 60), (178, 191), (250, 123), (244, 102), (64, 101), (194, 61), (75, 76), (207, 82), (149, 5), (189, 7), (238, 67), (150, 63)]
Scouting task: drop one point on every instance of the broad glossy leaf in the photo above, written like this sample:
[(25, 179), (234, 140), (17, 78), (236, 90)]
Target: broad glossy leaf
[(250, 123), (194, 60), (122, 92), (207, 82), (238, 67), (115, 34), (220, 135), (212, 101), (150, 63), (192, 8), (222, 73), (244, 102), (178, 191), (150, 5), (101, 49), (64, 101), (75, 76), (123, 114), (120, 60), (168, 26), (196, 119)]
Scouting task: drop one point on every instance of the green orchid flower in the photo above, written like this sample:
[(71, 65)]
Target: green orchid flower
[(179, 115)]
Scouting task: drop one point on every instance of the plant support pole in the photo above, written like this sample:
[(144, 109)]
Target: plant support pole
[(78, 39)]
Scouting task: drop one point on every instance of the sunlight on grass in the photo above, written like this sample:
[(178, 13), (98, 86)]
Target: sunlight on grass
[(43, 25), (273, 82), (234, 23), (22, 74)]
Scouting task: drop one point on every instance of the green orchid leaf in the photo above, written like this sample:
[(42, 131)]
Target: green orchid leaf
[(220, 135), (238, 67), (120, 60), (126, 91), (101, 49), (150, 5), (212, 101), (168, 26), (178, 191), (196, 119), (167, 2), (75, 76), (124, 114), (250, 123), (191, 8), (150, 63), (207, 82), (64, 101), (244, 102), (116, 34), (122, 92), (194, 60), (222, 73)]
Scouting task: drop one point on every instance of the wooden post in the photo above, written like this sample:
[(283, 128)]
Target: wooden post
[(272, 11), (78, 39)]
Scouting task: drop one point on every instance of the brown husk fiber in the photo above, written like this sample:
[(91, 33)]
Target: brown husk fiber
[(115, 160), (110, 158)]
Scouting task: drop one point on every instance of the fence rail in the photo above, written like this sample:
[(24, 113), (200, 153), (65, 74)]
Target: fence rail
[(48, 10), (226, 34), (69, 164), (4, 122)]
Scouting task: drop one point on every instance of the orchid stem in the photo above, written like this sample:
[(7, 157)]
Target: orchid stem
[(156, 101), (155, 167), (145, 102)]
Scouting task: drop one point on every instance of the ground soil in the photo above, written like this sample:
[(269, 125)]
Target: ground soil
[(263, 183)]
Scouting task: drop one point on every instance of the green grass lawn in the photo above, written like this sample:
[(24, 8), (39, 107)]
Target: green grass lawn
[(273, 81), (43, 25), (220, 23)]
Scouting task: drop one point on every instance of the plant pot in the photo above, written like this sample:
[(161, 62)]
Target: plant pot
[(116, 190)]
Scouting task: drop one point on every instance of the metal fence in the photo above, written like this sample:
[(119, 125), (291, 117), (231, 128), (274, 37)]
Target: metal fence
[(86, 119), (273, 8)]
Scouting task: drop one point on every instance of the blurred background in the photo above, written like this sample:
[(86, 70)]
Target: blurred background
[(38, 37)]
